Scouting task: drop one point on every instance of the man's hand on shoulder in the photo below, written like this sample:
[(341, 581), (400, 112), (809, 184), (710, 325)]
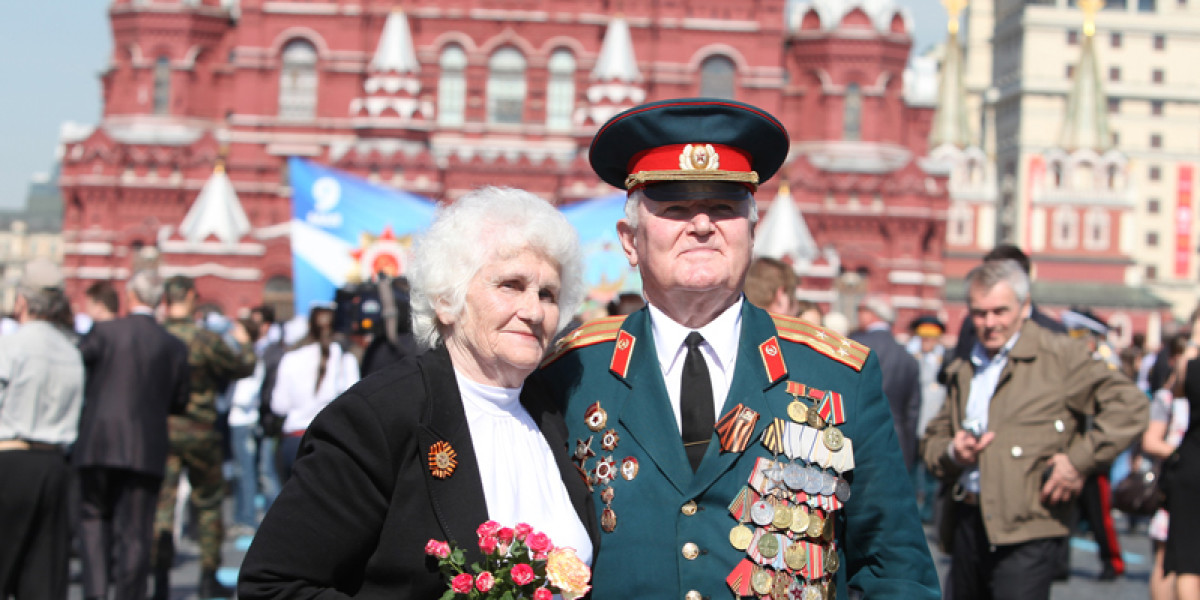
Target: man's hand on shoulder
[(1064, 481)]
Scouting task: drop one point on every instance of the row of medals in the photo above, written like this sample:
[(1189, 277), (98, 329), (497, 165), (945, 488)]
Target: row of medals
[(778, 512)]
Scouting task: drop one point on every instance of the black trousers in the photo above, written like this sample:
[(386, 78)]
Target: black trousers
[(35, 545), (116, 530), (981, 571)]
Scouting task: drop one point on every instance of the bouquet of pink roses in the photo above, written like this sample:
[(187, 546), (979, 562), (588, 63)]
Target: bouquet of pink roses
[(518, 562)]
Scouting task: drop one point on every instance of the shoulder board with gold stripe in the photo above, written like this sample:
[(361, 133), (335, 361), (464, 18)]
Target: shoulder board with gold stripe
[(825, 341), (592, 332)]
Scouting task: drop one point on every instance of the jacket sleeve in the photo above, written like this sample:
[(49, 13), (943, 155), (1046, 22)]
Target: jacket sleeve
[(281, 392), (1120, 410), (887, 555), (318, 538), (227, 365), (183, 379), (939, 432)]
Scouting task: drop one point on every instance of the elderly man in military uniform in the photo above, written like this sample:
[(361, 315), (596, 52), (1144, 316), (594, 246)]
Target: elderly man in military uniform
[(195, 444), (729, 450)]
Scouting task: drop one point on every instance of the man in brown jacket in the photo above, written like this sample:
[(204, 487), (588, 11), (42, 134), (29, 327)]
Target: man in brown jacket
[(1009, 445)]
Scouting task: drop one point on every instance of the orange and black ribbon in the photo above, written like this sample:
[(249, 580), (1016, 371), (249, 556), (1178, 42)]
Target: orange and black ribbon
[(442, 460), (736, 427)]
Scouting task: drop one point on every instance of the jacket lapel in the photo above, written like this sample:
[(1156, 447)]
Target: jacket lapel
[(458, 500), (550, 422), (749, 387), (646, 414)]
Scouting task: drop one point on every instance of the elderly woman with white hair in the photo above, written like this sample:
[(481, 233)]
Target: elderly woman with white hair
[(433, 447)]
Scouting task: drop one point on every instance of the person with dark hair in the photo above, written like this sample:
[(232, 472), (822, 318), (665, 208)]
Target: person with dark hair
[(41, 395), (311, 375), (101, 302), (195, 443), (138, 373), (1181, 480), (244, 441)]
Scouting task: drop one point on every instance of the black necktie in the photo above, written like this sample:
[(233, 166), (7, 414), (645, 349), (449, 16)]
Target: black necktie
[(696, 401)]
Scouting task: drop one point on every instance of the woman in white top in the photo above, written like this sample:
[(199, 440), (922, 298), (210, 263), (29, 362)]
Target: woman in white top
[(432, 447), (310, 376)]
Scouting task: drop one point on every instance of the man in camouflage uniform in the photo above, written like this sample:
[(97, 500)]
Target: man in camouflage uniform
[(195, 444)]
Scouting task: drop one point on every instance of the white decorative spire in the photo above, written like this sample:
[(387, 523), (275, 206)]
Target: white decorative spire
[(1085, 126), (617, 61), (950, 123), (395, 53), (216, 211), (783, 233)]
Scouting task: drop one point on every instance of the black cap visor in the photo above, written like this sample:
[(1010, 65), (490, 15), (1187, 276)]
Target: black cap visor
[(676, 191)]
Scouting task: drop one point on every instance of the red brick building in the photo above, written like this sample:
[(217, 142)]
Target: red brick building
[(439, 97)]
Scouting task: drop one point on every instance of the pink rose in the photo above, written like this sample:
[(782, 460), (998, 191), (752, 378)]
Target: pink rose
[(487, 528), (539, 543), (484, 582), (461, 584), (522, 574), (438, 549), (487, 544), (506, 535), (542, 594), (523, 530)]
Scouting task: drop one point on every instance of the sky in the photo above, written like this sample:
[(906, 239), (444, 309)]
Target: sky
[(52, 53)]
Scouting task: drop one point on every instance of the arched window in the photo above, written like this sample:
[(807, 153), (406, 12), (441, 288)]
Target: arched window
[(560, 91), (716, 77), (961, 224), (452, 86), (298, 81), (1065, 232), (162, 86), (852, 114), (506, 87), (1096, 223)]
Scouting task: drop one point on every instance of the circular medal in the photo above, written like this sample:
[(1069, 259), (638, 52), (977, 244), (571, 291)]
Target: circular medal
[(796, 590), (762, 512), (833, 438), (800, 520), (629, 468), (610, 439), (782, 518), (595, 417), (828, 483), (842, 490), (608, 520), (740, 537), (827, 532), (814, 420), (793, 476), (798, 411), (812, 485), (815, 525), (795, 556), (831, 560), (780, 587), (768, 546), (813, 592), (761, 580)]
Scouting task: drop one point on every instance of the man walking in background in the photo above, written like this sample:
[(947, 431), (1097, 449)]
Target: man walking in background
[(137, 374), (901, 374)]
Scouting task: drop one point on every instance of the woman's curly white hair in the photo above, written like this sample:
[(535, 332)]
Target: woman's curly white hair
[(465, 235)]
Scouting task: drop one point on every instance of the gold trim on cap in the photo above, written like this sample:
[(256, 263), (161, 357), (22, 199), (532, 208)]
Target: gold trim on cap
[(642, 177)]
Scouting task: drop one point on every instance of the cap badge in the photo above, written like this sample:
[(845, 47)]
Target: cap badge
[(696, 157)]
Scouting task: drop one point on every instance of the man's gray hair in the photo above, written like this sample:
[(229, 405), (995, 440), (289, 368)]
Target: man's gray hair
[(478, 227), (147, 287), (45, 304), (635, 198), (990, 273)]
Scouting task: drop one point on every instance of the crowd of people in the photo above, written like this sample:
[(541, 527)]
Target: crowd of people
[(713, 434)]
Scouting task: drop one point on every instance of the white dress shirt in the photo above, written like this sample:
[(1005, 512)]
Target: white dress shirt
[(521, 482), (296, 395), (983, 387), (719, 348)]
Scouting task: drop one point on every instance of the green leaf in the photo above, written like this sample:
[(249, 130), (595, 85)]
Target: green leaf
[(449, 595)]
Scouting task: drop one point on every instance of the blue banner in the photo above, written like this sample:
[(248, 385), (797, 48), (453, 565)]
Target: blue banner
[(345, 229)]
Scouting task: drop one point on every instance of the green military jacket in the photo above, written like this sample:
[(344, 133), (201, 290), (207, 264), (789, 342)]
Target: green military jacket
[(672, 533), (213, 365)]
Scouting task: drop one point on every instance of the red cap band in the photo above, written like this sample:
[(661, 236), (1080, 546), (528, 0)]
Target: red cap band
[(690, 157)]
